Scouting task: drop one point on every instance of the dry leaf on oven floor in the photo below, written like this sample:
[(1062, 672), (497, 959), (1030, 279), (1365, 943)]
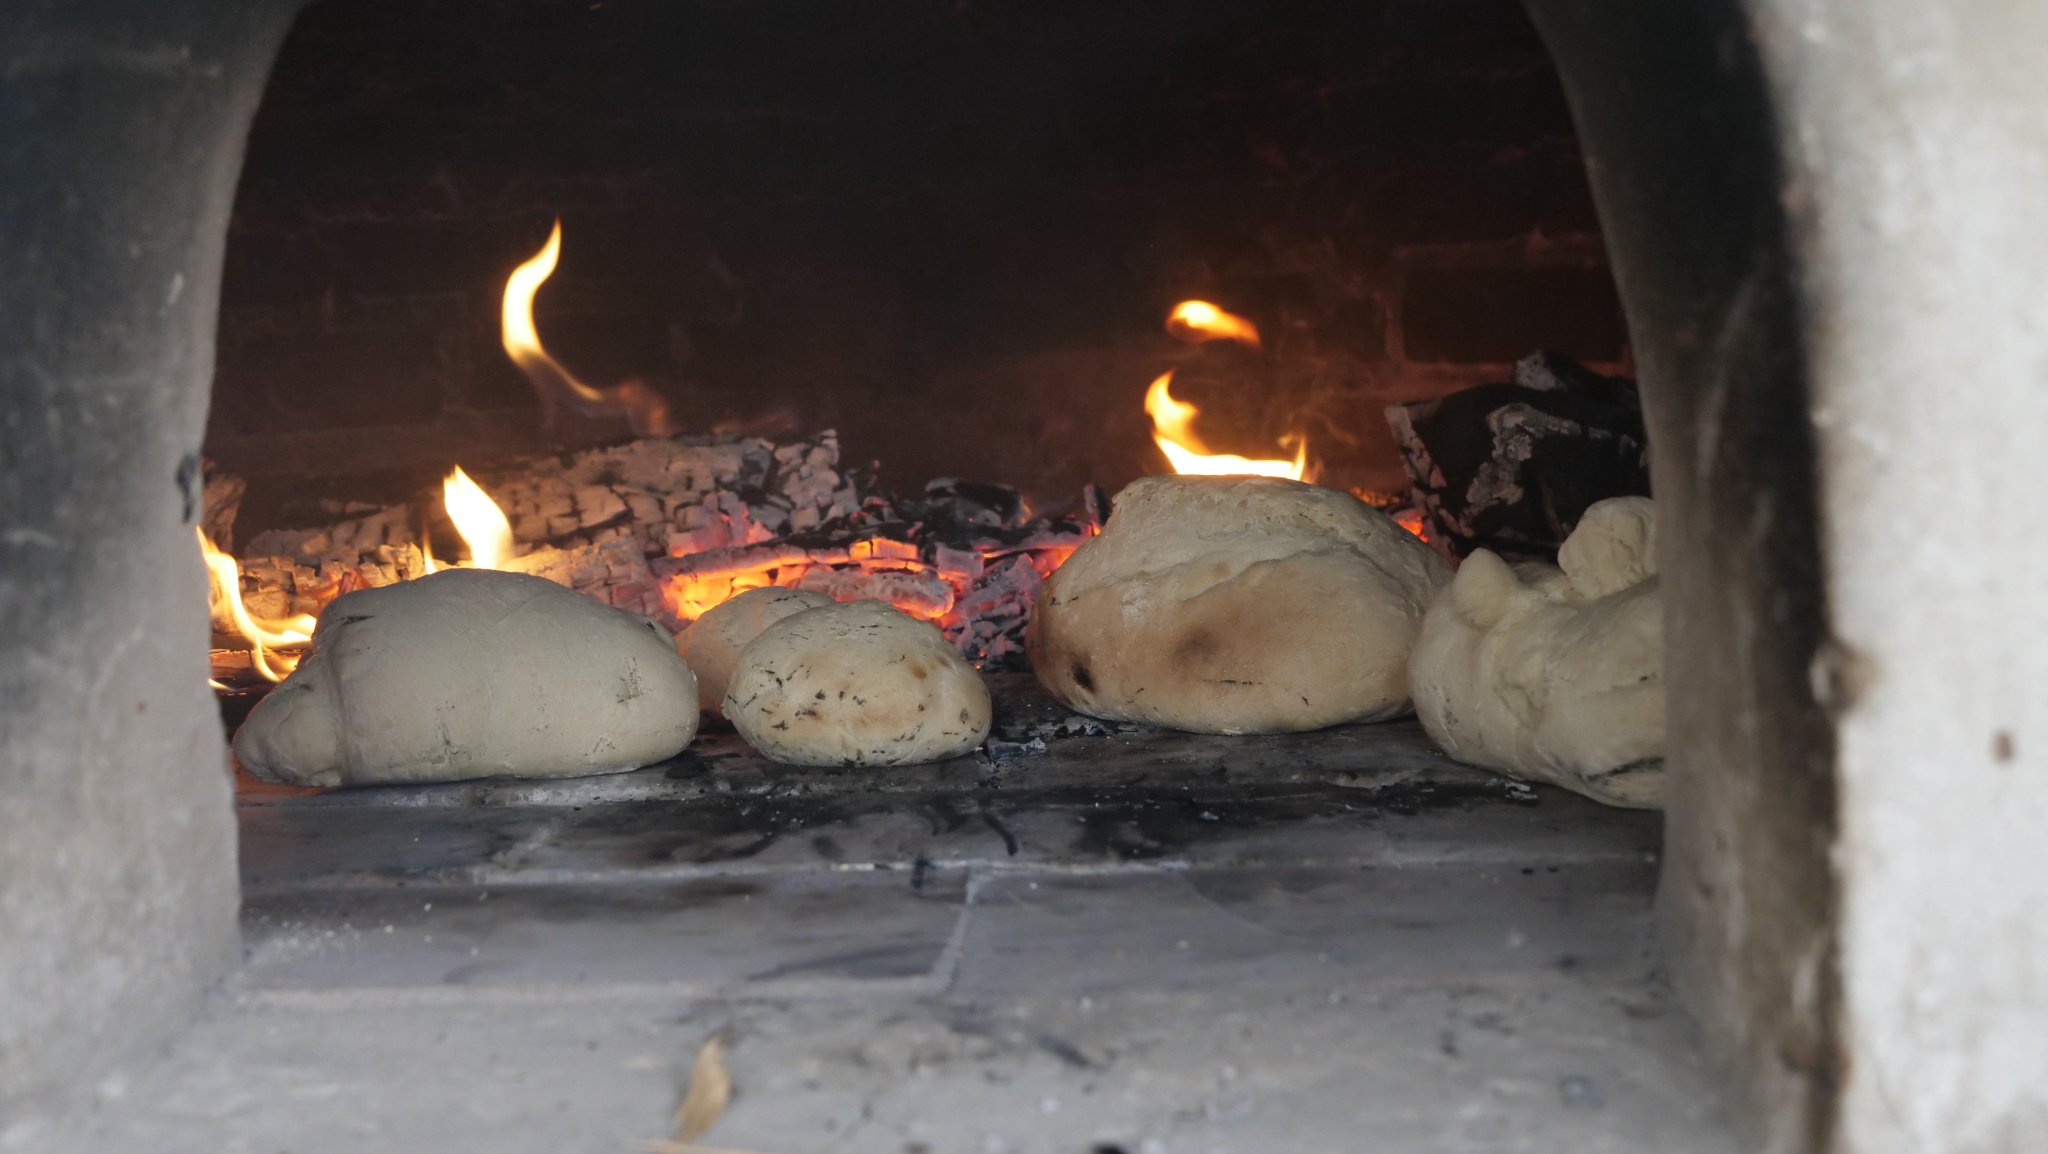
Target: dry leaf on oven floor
[(703, 1105)]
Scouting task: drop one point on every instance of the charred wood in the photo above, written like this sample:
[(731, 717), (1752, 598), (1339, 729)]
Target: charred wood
[(1512, 466)]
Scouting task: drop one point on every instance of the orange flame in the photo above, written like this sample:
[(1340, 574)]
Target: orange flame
[(522, 340), (1172, 432), (643, 406), (1198, 321), (482, 524), (226, 579)]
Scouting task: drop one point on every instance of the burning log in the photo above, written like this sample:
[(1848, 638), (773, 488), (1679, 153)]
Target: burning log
[(370, 528), (230, 664), (703, 491), (671, 527), (644, 492), (283, 586), (613, 572), (1511, 467), (220, 502), (966, 556)]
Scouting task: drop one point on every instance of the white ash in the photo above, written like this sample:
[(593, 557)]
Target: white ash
[(995, 609), (1053, 729), (344, 540), (999, 751), (1023, 736), (1027, 717), (613, 572), (275, 587)]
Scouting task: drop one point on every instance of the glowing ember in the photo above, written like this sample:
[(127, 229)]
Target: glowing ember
[(969, 562), (855, 573), (1397, 506), (1198, 321), (957, 593), (226, 579), (645, 408), (482, 524), (692, 596), (1171, 430)]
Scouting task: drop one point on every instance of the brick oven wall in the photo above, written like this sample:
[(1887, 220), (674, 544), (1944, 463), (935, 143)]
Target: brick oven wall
[(949, 229)]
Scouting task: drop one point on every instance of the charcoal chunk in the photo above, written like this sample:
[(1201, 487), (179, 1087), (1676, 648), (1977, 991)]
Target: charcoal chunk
[(1512, 466)]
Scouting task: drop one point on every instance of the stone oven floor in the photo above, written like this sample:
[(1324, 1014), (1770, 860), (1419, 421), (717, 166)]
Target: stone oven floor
[(1137, 942)]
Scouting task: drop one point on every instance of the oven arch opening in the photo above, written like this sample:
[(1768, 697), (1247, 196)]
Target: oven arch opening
[(1740, 279)]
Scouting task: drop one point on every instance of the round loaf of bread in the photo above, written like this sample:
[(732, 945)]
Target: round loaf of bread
[(1236, 605), (1555, 673), (712, 643), (858, 683), (472, 673)]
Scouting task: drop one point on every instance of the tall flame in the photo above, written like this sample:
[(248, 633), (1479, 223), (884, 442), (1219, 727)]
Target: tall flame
[(1198, 321), (482, 524), (521, 339), (643, 406), (1171, 421), (226, 579)]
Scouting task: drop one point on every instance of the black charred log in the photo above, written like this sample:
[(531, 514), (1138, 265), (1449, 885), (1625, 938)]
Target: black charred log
[(1511, 467)]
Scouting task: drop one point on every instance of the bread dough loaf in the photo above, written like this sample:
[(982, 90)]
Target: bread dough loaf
[(472, 673), (858, 683), (712, 643), (1236, 605), (1555, 673)]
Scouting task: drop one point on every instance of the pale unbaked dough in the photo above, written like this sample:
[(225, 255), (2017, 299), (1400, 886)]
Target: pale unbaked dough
[(1236, 605), (858, 683), (1555, 673), (472, 673), (712, 643)]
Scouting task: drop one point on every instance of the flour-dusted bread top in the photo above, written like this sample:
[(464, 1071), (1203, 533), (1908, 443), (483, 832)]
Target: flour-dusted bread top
[(859, 683), (472, 673), (1206, 530)]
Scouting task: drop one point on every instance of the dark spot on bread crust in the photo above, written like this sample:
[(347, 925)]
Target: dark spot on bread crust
[(1082, 679), (1197, 646)]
